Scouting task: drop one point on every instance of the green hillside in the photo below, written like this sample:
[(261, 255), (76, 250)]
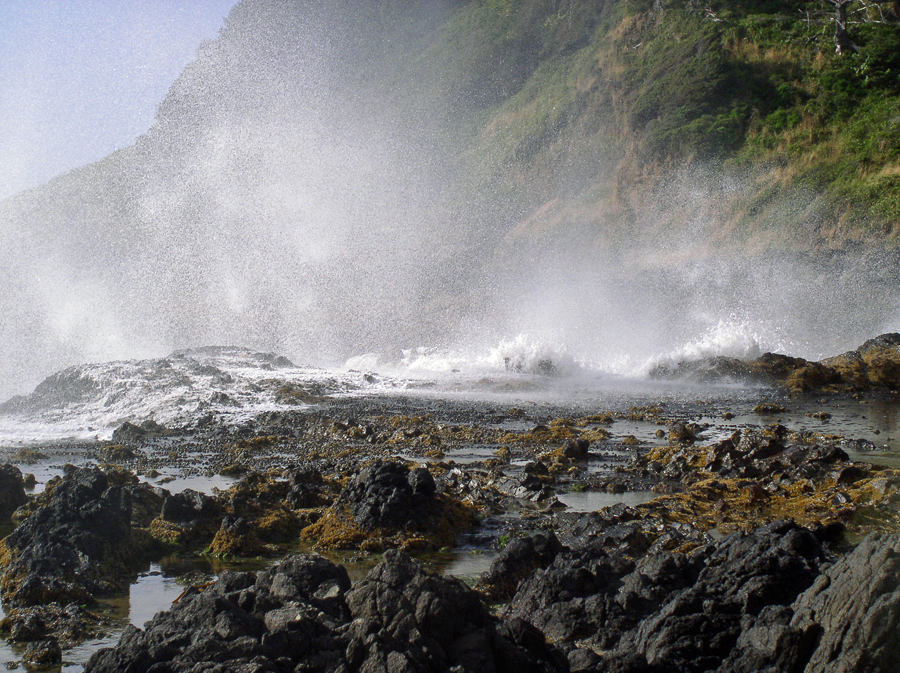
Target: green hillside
[(584, 110)]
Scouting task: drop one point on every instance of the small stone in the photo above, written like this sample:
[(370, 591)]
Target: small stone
[(43, 653)]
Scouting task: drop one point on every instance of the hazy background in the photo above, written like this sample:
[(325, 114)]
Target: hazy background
[(81, 78), (325, 180)]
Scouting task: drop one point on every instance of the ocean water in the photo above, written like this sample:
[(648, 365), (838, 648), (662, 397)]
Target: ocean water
[(87, 403)]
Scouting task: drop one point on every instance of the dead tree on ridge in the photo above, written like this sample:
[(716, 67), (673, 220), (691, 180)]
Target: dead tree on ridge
[(842, 42)]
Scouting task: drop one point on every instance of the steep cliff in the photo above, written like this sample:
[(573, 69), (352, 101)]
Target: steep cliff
[(333, 177)]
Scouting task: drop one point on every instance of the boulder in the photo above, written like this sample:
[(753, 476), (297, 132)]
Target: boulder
[(518, 560), (236, 537), (846, 621), (79, 543), (129, 433), (12, 490), (388, 505), (667, 610), (189, 517)]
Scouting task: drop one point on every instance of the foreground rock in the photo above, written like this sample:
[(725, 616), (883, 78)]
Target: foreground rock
[(845, 622), (79, 544), (773, 600), (666, 610), (303, 615)]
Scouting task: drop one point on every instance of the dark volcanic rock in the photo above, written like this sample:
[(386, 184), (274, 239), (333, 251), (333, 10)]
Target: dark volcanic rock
[(518, 560), (698, 627), (236, 537), (845, 622), (188, 517), (891, 340), (307, 488), (667, 611), (873, 366), (70, 624), (43, 653), (12, 490), (388, 505), (128, 433), (80, 543), (302, 615), (388, 494)]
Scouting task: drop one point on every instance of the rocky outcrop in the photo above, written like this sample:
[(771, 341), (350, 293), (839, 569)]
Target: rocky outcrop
[(518, 560), (757, 477), (388, 505), (845, 622), (773, 601), (129, 433), (80, 543), (12, 490), (875, 365), (67, 625), (189, 517), (303, 615), (667, 610)]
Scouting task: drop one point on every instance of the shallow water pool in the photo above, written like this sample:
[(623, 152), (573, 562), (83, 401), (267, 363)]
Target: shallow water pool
[(591, 501)]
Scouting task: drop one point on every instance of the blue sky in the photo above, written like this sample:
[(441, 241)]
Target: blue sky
[(82, 78)]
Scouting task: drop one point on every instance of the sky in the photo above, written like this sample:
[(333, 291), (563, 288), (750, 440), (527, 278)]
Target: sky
[(80, 79)]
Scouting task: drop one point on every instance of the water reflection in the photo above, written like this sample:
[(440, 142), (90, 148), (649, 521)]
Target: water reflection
[(591, 501), (156, 587)]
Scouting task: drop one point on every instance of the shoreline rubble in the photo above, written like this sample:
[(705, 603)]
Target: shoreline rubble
[(762, 550)]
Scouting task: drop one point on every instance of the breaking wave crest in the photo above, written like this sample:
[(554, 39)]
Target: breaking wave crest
[(519, 355)]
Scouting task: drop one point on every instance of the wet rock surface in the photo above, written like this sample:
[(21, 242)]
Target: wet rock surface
[(303, 615), (12, 490), (390, 505), (875, 365), (519, 560), (845, 621), (80, 543)]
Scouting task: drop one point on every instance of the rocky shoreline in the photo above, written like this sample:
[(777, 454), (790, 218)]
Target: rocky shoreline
[(763, 548)]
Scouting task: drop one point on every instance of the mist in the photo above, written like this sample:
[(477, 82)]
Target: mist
[(297, 195)]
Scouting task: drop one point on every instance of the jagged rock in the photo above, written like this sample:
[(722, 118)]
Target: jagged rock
[(128, 433), (845, 622), (12, 490), (436, 624), (518, 560), (308, 489), (668, 610), (69, 624), (388, 505), (890, 340), (685, 433), (79, 543), (855, 608), (575, 449), (146, 503), (43, 653), (387, 494), (116, 453), (302, 615), (236, 537), (873, 366), (188, 517), (708, 370)]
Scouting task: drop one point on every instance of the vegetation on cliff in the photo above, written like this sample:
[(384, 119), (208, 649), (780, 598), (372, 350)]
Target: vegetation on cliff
[(605, 102)]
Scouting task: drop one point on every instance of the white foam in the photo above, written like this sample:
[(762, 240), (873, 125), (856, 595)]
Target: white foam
[(88, 402)]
